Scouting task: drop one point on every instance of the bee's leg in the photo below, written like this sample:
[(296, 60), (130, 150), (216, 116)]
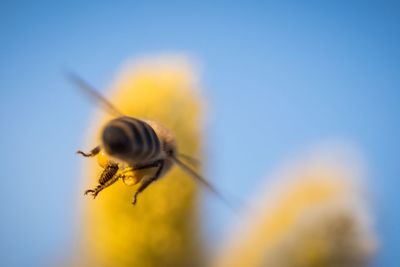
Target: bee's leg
[(107, 178), (94, 192), (146, 182), (91, 153)]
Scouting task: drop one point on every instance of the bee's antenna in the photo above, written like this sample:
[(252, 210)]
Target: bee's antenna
[(93, 93), (203, 181)]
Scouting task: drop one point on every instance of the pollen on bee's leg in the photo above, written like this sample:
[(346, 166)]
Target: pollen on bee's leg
[(131, 177), (102, 159), (130, 180)]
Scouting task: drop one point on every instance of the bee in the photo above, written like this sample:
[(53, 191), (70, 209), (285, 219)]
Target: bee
[(134, 150)]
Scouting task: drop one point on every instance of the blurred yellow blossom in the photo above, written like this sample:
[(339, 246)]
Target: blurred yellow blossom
[(314, 215), (161, 230)]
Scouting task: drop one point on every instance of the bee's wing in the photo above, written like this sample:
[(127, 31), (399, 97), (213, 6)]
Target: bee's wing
[(93, 94), (191, 160), (203, 181)]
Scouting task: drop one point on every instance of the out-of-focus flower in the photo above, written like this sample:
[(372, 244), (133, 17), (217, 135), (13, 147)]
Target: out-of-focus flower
[(315, 215), (161, 230)]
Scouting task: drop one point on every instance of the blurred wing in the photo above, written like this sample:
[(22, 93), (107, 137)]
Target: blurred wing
[(93, 94), (191, 160), (203, 181)]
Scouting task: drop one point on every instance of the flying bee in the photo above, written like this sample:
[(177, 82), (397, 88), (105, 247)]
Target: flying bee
[(134, 150)]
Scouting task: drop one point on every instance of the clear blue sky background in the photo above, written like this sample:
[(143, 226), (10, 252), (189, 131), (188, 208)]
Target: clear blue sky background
[(292, 74)]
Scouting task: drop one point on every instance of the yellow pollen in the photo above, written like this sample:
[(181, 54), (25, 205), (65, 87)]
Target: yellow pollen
[(136, 176), (102, 159)]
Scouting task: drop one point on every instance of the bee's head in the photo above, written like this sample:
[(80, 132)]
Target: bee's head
[(115, 140)]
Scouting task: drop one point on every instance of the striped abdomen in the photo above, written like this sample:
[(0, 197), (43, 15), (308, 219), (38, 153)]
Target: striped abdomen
[(131, 139)]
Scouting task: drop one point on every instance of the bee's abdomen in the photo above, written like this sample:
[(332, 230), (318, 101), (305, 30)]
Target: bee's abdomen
[(142, 143)]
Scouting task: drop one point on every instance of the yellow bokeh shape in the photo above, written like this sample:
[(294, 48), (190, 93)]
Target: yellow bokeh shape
[(161, 230)]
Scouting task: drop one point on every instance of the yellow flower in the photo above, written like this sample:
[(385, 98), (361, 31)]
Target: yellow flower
[(314, 216), (161, 230)]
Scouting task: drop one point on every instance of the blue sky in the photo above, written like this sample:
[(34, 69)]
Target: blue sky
[(292, 74)]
